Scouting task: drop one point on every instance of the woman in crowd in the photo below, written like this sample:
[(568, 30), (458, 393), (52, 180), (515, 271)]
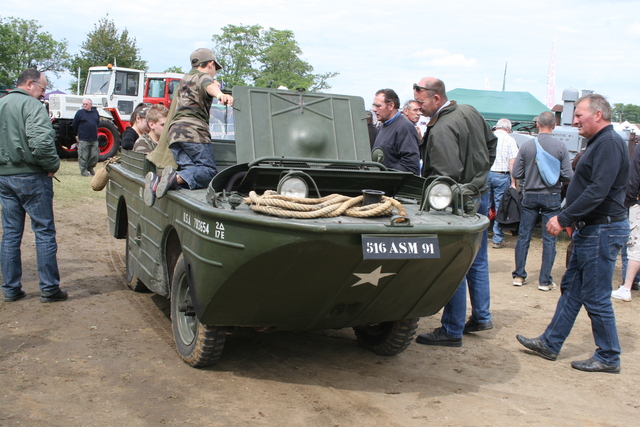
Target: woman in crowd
[(138, 127)]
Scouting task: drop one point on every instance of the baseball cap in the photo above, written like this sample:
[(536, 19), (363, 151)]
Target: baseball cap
[(204, 55)]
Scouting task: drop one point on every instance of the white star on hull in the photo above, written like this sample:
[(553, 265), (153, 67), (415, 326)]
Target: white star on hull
[(373, 277)]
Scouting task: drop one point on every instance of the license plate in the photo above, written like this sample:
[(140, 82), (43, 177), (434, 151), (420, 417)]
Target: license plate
[(400, 247)]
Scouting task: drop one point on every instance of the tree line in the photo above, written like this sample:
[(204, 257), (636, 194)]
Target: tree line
[(250, 55), (626, 112)]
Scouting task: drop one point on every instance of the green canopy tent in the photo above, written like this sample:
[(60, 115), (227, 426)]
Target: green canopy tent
[(495, 105)]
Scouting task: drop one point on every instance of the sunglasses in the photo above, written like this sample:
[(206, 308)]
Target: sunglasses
[(419, 88)]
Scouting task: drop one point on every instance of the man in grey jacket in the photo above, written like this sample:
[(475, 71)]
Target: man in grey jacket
[(539, 200), (28, 161)]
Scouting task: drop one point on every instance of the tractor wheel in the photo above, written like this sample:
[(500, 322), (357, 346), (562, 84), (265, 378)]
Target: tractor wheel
[(108, 140)]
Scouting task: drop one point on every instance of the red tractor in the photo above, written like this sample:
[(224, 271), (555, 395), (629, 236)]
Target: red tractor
[(115, 92)]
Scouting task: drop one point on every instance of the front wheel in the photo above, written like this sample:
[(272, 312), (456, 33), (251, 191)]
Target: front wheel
[(199, 345), (108, 140), (387, 338)]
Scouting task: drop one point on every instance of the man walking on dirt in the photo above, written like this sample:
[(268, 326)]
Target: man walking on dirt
[(459, 144), (539, 200), (26, 187), (595, 207), (85, 122)]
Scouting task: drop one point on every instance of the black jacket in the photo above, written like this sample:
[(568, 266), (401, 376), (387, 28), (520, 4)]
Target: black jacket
[(508, 215)]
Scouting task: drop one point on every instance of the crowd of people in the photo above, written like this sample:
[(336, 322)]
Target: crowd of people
[(458, 143), (429, 135)]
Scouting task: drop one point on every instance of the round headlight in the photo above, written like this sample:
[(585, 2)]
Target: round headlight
[(440, 196), (293, 186)]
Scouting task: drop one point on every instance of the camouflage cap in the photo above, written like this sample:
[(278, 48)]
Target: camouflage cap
[(204, 55)]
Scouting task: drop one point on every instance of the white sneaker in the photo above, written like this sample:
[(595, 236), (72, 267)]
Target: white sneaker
[(545, 288), (622, 293), (518, 281)]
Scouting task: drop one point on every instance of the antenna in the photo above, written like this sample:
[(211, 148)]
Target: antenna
[(504, 78)]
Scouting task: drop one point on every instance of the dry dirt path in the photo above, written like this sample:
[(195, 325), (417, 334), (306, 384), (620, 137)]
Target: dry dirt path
[(106, 357)]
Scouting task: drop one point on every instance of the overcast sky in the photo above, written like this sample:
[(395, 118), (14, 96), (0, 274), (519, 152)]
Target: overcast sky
[(377, 44)]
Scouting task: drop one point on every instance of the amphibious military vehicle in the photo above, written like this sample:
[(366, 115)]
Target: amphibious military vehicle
[(228, 258)]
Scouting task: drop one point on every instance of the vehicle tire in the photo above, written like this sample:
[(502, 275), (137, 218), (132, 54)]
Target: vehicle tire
[(387, 338), (199, 345), (108, 140), (66, 152), (132, 280)]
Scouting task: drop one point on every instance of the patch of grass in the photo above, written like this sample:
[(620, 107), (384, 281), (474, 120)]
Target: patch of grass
[(74, 189)]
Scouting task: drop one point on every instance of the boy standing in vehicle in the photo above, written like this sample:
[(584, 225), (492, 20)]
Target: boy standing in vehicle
[(188, 135)]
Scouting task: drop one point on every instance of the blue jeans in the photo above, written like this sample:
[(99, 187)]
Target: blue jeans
[(28, 194), (477, 279), (587, 282), (498, 184), (195, 163), (547, 205)]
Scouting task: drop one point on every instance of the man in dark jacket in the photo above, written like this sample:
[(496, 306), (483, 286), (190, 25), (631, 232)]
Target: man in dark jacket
[(595, 206), (86, 123), (397, 137), (459, 144), (28, 161)]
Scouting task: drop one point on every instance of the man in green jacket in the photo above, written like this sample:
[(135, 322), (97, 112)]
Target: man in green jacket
[(28, 161), (459, 144)]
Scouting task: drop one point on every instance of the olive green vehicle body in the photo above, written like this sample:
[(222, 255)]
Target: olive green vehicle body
[(247, 269)]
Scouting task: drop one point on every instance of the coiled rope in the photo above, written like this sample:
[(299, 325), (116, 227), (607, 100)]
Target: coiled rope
[(330, 206)]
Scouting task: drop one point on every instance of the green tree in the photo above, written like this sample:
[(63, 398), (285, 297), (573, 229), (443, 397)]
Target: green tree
[(617, 112), (105, 45), (251, 55), (237, 50), (174, 69), (23, 45), (626, 112)]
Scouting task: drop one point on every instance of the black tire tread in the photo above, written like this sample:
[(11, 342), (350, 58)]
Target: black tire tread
[(208, 343), (208, 348), (393, 340)]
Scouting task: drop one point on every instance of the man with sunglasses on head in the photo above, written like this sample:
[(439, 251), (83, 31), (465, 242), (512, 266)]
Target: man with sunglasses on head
[(397, 137), (459, 144), (27, 146)]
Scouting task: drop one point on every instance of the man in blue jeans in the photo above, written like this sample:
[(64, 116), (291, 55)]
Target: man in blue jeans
[(459, 144), (595, 206), (539, 199), (27, 145)]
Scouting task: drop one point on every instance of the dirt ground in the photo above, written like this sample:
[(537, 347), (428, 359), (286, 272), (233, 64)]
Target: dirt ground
[(106, 357)]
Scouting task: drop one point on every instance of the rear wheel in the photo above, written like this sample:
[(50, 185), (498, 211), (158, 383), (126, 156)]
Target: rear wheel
[(132, 280), (387, 338), (199, 345), (108, 140)]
